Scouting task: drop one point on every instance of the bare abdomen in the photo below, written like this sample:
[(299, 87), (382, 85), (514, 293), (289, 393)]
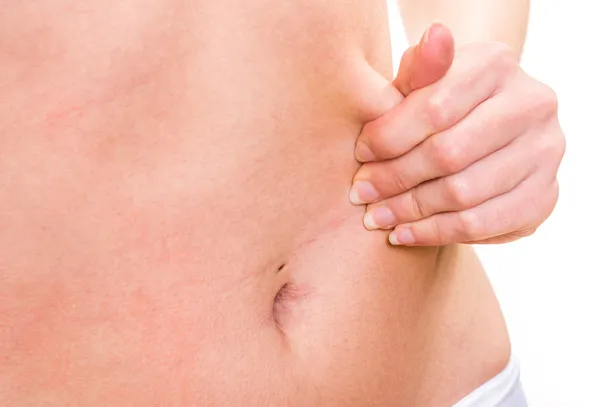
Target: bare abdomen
[(175, 228)]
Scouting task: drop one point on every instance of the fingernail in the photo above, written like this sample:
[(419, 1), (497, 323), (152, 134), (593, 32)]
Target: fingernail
[(363, 153), (379, 218), (363, 192), (402, 236)]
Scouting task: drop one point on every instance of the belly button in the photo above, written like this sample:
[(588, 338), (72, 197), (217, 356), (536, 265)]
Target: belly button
[(279, 307), (288, 299), (285, 305)]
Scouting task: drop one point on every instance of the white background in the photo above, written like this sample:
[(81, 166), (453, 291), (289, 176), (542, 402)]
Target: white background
[(549, 284)]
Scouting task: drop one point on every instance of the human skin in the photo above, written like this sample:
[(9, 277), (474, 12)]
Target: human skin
[(175, 223), (471, 155)]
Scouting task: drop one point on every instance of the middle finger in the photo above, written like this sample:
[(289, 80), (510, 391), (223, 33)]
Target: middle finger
[(498, 174), (490, 127)]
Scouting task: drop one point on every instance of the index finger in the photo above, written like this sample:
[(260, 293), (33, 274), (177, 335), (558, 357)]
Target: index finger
[(425, 112)]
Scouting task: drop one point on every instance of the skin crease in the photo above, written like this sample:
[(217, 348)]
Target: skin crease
[(152, 185)]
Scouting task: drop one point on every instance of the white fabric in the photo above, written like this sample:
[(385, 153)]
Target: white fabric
[(504, 390)]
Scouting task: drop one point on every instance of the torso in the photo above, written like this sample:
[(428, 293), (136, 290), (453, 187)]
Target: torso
[(174, 218)]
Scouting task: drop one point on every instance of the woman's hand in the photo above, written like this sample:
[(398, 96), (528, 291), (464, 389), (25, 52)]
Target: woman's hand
[(470, 156)]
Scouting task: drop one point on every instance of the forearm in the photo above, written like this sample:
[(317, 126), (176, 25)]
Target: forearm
[(469, 20)]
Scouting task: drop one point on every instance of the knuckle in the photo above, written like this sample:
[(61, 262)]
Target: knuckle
[(543, 101), (548, 99), (398, 179), (562, 145), (499, 55), (557, 146), (470, 225), (546, 202), (555, 188), (554, 195), (439, 236), (418, 208), (447, 155), (544, 147), (371, 130), (438, 111), (375, 134), (551, 148), (458, 192)]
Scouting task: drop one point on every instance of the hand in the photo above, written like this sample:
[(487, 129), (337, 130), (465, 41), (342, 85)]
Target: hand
[(471, 154)]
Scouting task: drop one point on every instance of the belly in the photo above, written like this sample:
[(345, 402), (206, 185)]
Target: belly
[(175, 227)]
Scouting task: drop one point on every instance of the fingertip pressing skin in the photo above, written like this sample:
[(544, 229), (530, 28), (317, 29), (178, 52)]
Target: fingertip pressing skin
[(402, 236), (363, 192), (369, 222), (363, 153), (380, 217)]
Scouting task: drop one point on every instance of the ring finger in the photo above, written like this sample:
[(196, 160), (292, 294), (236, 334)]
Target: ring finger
[(494, 175), (483, 132)]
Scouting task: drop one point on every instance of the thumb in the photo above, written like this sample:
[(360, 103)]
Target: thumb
[(427, 62)]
